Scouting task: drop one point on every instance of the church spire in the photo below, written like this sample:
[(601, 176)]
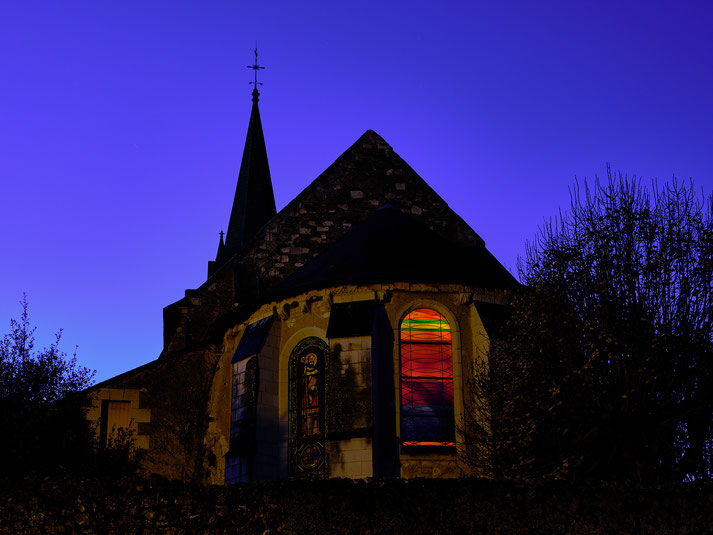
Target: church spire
[(254, 201), (220, 255)]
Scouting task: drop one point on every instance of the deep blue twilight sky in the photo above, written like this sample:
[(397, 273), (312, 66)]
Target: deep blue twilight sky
[(122, 126)]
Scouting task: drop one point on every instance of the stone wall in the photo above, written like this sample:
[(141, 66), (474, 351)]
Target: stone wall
[(188, 395), (350, 408)]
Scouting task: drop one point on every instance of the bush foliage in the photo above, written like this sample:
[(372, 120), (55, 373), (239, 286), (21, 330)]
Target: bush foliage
[(43, 406), (338, 506), (605, 369)]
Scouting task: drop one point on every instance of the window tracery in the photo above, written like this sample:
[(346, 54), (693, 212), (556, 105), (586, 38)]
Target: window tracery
[(427, 417), (307, 454)]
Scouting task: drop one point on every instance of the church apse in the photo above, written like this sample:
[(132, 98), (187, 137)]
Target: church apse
[(343, 408), (331, 338)]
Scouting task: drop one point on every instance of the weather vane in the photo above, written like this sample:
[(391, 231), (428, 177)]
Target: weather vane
[(255, 67)]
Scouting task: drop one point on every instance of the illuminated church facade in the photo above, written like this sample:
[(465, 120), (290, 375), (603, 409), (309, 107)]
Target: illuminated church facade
[(334, 338)]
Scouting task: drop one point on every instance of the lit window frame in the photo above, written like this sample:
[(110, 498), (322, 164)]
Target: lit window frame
[(307, 457), (427, 387)]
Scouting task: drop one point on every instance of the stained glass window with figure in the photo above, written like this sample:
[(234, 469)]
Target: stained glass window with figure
[(307, 457), (427, 417)]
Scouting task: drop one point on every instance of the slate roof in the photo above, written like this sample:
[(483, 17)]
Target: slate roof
[(253, 339), (254, 202), (392, 246)]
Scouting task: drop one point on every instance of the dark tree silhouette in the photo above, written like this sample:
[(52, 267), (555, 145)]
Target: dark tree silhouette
[(180, 441), (605, 369), (42, 407)]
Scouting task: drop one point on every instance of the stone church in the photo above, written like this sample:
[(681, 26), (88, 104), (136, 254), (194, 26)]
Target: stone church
[(334, 338)]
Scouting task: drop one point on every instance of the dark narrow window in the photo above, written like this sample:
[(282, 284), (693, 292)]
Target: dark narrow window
[(114, 415), (426, 380), (307, 456), (243, 420), (244, 406)]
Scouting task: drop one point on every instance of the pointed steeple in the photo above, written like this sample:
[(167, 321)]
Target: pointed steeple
[(254, 200), (220, 258), (220, 255)]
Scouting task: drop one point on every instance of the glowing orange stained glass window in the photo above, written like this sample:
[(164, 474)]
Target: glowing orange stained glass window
[(426, 380)]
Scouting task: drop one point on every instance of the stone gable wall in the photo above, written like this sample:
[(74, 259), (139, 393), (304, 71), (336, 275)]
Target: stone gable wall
[(365, 177)]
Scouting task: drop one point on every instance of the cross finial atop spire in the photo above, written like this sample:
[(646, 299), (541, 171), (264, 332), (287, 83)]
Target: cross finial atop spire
[(254, 202), (255, 67)]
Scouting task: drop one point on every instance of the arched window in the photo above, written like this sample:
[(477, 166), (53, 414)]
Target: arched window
[(426, 380), (307, 457)]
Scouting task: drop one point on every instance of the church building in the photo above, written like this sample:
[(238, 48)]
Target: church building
[(334, 338)]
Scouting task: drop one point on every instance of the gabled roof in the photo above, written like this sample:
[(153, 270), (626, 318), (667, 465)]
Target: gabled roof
[(369, 174), (392, 246), (254, 202)]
